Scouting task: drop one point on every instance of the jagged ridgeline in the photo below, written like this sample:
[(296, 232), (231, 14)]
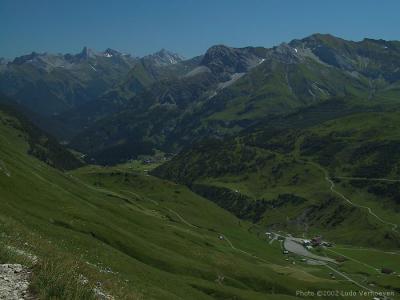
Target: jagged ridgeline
[(229, 89), (109, 102), (49, 84)]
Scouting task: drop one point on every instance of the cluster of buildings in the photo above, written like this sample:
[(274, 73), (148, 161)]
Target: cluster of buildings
[(315, 242)]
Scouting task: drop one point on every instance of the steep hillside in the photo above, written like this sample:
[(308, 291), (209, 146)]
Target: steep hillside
[(121, 232), (41, 145)]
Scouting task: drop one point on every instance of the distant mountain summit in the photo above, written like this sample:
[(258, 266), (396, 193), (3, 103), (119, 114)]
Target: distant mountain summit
[(164, 58), (111, 52), (26, 58), (53, 83), (173, 102), (230, 89), (369, 57), (86, 53), (221, 59)]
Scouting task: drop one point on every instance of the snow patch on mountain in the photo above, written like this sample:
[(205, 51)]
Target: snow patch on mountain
[(164, 58)]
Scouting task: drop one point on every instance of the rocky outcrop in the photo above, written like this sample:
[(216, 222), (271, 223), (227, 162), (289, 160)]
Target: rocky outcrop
[(14, 282)]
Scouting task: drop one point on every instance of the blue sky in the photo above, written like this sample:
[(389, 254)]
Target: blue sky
[(188, 27)]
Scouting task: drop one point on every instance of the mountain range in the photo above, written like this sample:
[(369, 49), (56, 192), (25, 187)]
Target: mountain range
[(50, 84), (228, 89), (203, 94)]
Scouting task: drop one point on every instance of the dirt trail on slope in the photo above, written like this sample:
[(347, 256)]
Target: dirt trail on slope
[(394, 227), (332, 188)]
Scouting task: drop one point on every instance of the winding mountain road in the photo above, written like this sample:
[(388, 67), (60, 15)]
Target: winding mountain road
[(333, 190), (355, 260), (225, 238), (290, 243), (367, 179), (348, 278)]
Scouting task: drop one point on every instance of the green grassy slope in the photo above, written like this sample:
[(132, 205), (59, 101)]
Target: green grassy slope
[(139, 236), (277, 177), (41, 145)]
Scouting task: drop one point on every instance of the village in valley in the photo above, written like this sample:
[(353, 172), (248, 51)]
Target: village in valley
[(313, 251)]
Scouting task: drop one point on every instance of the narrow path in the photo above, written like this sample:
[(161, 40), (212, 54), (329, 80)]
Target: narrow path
[(349, 279), (182, 219), (355, 260), (225, 238), (102, 190), (141, 197), (245, 252), (367, 179), (368, 249), (333, 190)]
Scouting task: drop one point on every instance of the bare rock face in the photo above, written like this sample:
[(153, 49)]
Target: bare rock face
[(221, 59), (14, 282)]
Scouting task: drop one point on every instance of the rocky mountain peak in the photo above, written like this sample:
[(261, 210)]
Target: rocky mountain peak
[(25, 58), (86, 53), (224, 59), (164, 58), (111, 52)]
